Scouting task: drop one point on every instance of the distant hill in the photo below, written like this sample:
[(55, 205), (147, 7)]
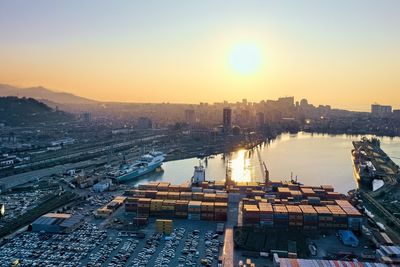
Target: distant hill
[(41, 93), (16, 111)]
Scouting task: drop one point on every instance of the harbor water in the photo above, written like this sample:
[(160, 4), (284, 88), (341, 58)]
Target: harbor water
[(313, 158)]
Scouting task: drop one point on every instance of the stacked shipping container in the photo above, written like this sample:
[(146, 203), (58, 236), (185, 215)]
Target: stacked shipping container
[(340, 216), (295, 216), (251, 214), (310, 217), (207, 211), (164, 226), (220, 211), (266, 214), (281, 216), (354, 216), (206, 202), (194, 210)]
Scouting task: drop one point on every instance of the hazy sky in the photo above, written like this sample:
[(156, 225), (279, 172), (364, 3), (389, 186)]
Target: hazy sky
[(341, 52)]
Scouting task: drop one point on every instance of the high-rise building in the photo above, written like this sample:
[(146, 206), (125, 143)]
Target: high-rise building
[(286, 101), (144, 123), (227, 120), (243, 118), (190, 117), (260, 119), (380, 110), (87, 117)]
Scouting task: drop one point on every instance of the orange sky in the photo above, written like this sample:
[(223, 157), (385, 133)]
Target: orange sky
[(339, 54)]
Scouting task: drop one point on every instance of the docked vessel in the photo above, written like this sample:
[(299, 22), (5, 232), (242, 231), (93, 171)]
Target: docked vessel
[(363, 168), (145, 164)]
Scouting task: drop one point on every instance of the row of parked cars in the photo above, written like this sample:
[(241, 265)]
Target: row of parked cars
[(212, 248), (147, 252), (41, 249), (97, 258), (124, 253), (19, 203), (168, 252), (190, 253)]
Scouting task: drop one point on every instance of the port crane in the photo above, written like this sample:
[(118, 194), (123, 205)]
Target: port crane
[(263, 166), (228, 172)]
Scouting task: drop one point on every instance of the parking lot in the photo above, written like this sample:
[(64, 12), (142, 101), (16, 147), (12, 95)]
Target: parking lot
[(39, 249), (19, 203), (192, 243)]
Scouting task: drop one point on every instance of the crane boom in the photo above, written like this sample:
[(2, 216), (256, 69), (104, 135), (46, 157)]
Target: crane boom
[(263, 166)]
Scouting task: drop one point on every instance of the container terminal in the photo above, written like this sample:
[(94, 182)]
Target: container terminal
[(207, 223), (265, 224)]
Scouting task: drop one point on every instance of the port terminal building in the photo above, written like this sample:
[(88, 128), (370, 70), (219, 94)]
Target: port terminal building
[(57, 223)]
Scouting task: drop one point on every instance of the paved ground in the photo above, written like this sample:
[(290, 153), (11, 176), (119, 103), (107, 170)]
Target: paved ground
[(228, 251), (189, 226)]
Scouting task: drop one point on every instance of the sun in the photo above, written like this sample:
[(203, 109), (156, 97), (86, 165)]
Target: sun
[(245, 58)]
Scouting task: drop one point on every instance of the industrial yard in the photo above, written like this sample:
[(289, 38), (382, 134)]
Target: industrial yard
[(194, 223), (208, 223), (200, 133)]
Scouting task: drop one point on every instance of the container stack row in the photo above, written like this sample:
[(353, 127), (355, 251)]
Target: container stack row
[(306, 195), (221, 196), (185, 209), (110, 207), (341, 215), (184, 187)]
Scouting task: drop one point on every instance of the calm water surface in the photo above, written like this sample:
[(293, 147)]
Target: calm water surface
[(314, 158)]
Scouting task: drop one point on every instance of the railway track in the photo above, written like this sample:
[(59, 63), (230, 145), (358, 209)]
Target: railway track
[(389, 216)]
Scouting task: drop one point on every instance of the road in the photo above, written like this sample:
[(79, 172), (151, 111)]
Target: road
[(22, 178), (228, 249)]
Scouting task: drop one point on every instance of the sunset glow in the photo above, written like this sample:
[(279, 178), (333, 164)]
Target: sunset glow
[(132, 52)]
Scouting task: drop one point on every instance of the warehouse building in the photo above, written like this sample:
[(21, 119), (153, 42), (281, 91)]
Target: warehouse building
[(57, 223), (102, 186)]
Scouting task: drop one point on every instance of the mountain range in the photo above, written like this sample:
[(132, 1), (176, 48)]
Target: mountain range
[(45, 95)]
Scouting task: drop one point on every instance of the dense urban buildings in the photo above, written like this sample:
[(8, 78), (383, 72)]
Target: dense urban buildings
[(199, 133), (381, 111)]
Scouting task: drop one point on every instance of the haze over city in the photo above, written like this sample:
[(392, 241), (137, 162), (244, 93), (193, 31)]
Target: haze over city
[(171, 133), (341, 53)]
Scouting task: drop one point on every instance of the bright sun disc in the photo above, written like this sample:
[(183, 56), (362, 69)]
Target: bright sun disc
[(245, 58)]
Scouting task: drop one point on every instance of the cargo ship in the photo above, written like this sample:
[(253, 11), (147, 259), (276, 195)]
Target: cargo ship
[(363, 169), (371, 164), (144, 165)]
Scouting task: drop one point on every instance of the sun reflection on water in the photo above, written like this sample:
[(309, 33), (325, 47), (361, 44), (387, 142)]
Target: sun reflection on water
[(240, 166)]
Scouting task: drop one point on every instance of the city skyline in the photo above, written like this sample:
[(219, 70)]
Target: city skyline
[(199, 133), (343, 54)]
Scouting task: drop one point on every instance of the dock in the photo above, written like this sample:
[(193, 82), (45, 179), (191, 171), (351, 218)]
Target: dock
[(372, 163)]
